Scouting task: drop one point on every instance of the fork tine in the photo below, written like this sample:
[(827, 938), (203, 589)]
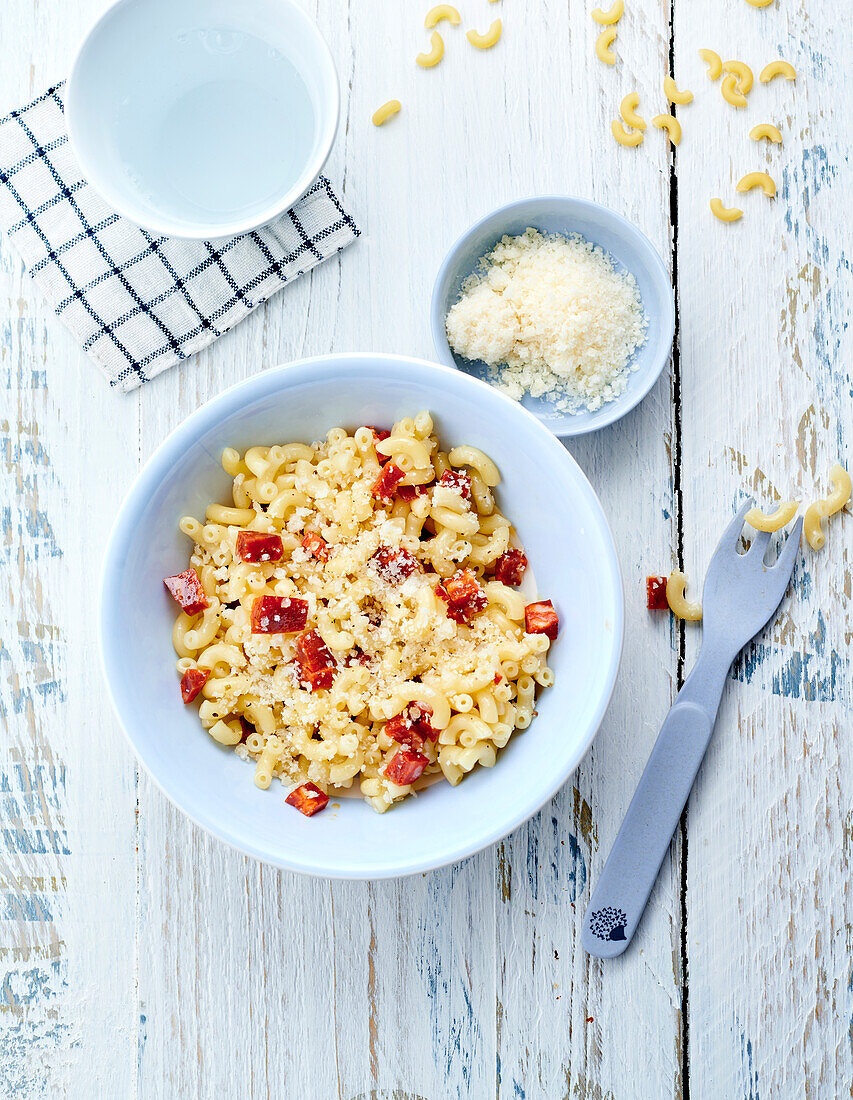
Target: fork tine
[(759, 543), (788, 553), (733, 532)]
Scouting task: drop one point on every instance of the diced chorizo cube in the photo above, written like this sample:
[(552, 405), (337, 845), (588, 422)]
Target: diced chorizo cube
[(458, 481), (278, 615), (316, 546), (387, 482), (315, 661), (410, 492), (257, 546), (541, 618), (308, 799), (656, 594), (394, 566), (405, 766), (187, 590), (412, 726), (510, 566), (462, 594), (192, 681)]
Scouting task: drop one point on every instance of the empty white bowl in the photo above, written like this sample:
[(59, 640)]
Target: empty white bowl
[(202, 118), (560, 523), (631, 250)]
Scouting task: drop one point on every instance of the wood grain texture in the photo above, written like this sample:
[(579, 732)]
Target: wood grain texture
[(141, 958), (765, 324)]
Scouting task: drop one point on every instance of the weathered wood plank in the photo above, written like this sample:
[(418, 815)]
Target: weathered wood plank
[(765, 365)]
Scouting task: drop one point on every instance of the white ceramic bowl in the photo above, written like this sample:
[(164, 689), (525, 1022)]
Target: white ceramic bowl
[(202, 118), (560, 523), (631, 251)]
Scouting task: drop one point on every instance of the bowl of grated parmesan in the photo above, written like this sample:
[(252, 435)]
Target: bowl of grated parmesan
[(561, 304)]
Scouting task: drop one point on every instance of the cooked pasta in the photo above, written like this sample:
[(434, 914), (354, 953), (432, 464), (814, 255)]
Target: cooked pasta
[(678, 603), (774, 522), (368, 630)]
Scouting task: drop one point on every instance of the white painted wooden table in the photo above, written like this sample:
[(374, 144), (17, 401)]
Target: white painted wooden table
[(138, 957)]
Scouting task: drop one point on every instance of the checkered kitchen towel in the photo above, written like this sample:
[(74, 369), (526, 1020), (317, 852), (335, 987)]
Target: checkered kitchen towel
[(139, 303)]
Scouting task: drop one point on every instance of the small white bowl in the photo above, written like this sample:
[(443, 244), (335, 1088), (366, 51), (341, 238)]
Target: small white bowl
[(563, 529), (202, 118), (627, 246)]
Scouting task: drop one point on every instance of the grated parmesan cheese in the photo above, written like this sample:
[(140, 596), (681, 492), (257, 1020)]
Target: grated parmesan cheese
[(550, 316)]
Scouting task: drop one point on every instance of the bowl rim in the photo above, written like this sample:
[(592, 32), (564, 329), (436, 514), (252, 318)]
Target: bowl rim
[(267, 383), (561, 426), (102, 184)]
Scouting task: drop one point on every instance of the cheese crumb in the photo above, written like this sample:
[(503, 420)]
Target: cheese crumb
[(550, 316)]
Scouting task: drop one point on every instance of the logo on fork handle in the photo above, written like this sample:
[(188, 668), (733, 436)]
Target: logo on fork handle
[(608, 923)]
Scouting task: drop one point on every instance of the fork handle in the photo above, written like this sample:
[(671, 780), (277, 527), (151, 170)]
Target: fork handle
[(643, 840)]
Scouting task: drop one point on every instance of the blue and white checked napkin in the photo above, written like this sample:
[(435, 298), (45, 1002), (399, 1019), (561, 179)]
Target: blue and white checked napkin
[(136, 302)]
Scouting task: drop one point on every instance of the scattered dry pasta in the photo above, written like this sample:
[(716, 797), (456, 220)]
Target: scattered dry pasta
[(743, 73), (673, 94), (724, 213), (671, 125), (783, 515), (602, 46), (439, 12), (766, 130), (628, 111), (759, 3), (617, 128), (487, 40), (386, 111), (435, 54), (821, 509), (714, 63), (612, 15), (757, 179), (675, 597), (777, 68), (355, 618), (729, 91)]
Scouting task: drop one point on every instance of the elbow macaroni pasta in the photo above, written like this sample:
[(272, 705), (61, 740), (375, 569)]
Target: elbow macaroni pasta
[(386, 111), (821, 509), (619, 132), (628, 111), (714, 63), (725, 213), (602, 46), (609, 17), (390, 640), (730, 91), (439, 12), (678, 604), (757, 179), (774, 522), (671, 124), (766, 130), (672, 93), (487, 40), (777, 68), (435, 53)]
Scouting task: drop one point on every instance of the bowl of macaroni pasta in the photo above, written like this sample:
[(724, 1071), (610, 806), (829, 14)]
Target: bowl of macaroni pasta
[(361, 616)]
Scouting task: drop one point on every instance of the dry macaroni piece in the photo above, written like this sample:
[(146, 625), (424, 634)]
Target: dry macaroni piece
[(714, 63), (725, 213), (759, 3), (386, 111), (777, 68), (618, 130), (439, 12), (672, 93), (820, 509), (628, 111), (774, 522), (354, 616), (671, 124), (742, 71), (609, 17), (487, 40), (766, 130), (678, 604), (436, 52), (602, 46), (730, 91), (757, 179)]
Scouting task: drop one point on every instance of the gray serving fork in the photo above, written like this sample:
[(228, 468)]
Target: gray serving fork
[(740, 595)]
